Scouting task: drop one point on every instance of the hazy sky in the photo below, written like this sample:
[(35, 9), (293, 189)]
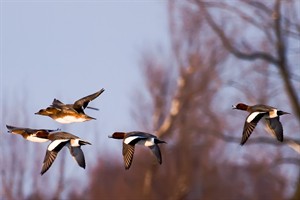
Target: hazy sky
[(70, 49)]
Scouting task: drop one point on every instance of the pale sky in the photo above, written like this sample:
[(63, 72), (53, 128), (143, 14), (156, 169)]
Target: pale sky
[(70, 49)]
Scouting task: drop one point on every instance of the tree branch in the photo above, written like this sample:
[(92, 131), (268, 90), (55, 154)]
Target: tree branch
[(257, 140), (295, 161), (282, 61), (176, 103), (259, 5), (229, 46)]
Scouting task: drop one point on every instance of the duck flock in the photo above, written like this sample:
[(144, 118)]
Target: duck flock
[(71, 113)]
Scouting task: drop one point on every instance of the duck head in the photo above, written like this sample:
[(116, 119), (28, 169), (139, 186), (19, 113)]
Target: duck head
[(240, 106), (117, 135)]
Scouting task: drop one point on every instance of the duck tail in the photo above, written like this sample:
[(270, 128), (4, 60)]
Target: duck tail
[(160, 141), (82, 142), (280, 112)]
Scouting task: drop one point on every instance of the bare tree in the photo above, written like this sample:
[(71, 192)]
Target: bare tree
[(187, 102), (278, 22), (189, 37)]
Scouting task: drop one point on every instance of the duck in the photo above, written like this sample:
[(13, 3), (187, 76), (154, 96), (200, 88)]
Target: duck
[(130, 139), (257, 112), (60, 140), (33, 135), (70, 113)]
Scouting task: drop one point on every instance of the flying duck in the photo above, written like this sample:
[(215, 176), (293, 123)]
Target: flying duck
[(130, 139), (69, 113), (58, 141), (33, 135), (257, 112)]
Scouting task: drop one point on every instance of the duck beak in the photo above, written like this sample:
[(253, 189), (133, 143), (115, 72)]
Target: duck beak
[(110, 136), (233, 107)]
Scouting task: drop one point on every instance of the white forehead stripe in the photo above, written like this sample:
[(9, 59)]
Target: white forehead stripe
[(252, 116), (130, 139), (55, 143)]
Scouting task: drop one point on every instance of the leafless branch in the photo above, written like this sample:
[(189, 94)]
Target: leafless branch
[(230, 47), (259, 5), (289, 160), (258, 140), (280, 44)]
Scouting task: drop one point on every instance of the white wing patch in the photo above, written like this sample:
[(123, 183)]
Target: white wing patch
[(55, 143), (252, 116), (130, 139)]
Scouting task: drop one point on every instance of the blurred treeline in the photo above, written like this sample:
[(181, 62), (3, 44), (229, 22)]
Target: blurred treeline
[(220, 53)]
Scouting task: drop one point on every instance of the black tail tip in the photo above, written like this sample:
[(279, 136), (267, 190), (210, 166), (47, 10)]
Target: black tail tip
[(280, 112), (161, 141)]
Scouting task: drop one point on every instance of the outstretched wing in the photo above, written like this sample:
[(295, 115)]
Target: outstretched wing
[(15, 130), (250, 124), (78, 155), (51, 153), (156, 151), (276, 127), (82, 103), (128, 151)]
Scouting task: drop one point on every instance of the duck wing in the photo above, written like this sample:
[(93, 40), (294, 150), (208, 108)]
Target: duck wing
[(51, 153), (250, 124), (276, 127), (78, 155), (156, 151), (57, 103), (82, 103), (128, 151), (12, 128)]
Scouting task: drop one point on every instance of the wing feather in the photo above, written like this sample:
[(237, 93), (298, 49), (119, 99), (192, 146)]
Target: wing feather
[(276, 127), (82, 103), (250, 124), (78, 155), (128, 151), (156, 151), (51, 154)]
